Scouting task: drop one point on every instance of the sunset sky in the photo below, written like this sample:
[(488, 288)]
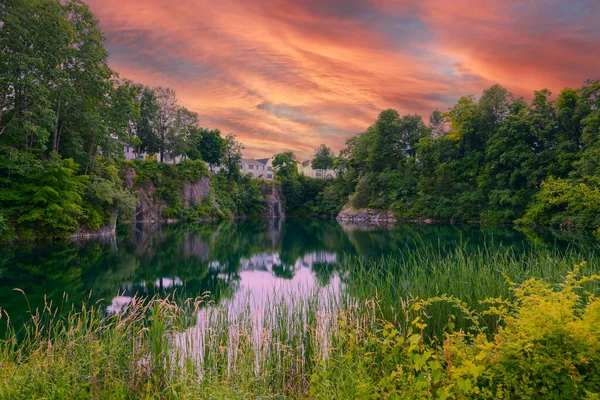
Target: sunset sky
[(289, 75)]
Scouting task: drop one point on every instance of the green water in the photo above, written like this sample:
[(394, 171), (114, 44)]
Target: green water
[(226, 259)]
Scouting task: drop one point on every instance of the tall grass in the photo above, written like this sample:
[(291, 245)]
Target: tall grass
[(243, 348)]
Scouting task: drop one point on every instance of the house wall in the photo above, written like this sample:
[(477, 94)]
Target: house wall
[(305, 169), (257, 169)]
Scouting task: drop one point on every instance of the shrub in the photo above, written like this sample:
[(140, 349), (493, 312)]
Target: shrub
[(548, 347), (41, 198), (563, 203)]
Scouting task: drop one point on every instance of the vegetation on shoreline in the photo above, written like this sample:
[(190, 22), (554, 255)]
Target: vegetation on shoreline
[(495, 159), (369, 341)]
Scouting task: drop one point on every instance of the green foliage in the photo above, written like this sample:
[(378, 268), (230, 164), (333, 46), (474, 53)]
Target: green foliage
[(285, 165), (548, 345), (305, 196), (207, 145), (165, 183), (41, 198), (323, 158), (106, 200), (489, 161), (564, 203), (6, 233), (232, 156), (242, 198)]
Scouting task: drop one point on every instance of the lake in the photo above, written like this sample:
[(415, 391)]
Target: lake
[(231, 260)]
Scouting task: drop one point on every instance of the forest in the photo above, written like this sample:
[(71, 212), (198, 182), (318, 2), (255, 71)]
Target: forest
[(495, 159)]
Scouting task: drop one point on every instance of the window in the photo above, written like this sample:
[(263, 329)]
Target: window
[(269, 168), (269, 176), (251, 166)]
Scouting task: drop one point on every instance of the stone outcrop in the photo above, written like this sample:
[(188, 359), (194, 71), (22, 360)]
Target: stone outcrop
[(350, 216), (149, 209), (274, 205), (366, 215), (196, 193), (109, 230)]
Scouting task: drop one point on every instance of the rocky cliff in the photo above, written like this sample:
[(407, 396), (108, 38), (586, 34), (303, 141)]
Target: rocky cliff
[(152, 208), (350, 216), (274, 205), (196, 193), (108, 230), (366, 215)]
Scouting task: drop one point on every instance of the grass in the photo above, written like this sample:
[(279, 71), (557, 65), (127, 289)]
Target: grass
[(470, 276), (278, 348)]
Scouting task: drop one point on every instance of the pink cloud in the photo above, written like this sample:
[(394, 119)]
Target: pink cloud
[(288, 75)]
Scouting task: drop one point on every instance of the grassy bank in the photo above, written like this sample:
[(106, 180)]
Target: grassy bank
[(417, 327)]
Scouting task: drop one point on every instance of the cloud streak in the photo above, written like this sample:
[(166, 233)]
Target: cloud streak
[(289, 75)]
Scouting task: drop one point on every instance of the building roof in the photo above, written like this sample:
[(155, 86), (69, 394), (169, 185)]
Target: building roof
[(263, 160), (250, 161)]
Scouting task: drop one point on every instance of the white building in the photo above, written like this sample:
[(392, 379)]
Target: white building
[(131, 154), (261, 168), (306, 169)]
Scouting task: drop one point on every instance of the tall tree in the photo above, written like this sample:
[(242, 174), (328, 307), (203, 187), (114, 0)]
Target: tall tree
[(207, 145), (167, 109), (146, 125), (323, 159), (285, 164), (232, 156)]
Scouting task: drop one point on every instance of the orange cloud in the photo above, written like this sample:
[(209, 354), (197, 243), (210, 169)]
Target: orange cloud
[(289, 75)]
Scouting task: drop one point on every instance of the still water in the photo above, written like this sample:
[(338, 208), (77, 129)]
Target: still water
[(228, 260)]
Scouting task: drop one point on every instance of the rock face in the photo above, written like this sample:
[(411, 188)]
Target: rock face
[(149, 209), (274, 205), (109, 229), (366, 215), (195, 193)]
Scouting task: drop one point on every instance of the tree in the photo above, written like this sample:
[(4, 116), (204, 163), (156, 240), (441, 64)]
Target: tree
[(436, 124), (178, 137), (167, 109), (323, 159), (207, 145), (34, 38), (232, 156), (285, 164), (147, 121)]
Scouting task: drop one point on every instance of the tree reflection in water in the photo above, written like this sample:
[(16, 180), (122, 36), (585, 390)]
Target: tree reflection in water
[(223, 259)]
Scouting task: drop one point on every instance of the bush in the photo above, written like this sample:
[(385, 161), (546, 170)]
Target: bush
[(548, 347), (41, 198), (564, 203)]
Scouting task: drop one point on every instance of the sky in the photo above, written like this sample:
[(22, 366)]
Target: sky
[(292, 74)]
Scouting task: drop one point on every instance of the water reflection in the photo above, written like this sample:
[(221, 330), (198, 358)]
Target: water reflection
[(224, 259)]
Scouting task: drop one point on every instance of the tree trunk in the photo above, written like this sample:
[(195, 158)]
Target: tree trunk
[(58, 138), (90, 155), (55, 134)]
